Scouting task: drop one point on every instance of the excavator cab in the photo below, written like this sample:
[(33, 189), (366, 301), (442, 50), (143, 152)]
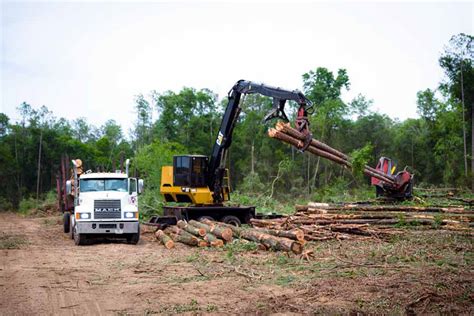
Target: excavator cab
[(187, 181), (190, 170)]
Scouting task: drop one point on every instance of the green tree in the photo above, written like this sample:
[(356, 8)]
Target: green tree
[(458, 63), (143, 124)]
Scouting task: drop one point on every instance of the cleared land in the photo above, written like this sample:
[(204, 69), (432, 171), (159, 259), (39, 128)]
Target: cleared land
[(418, 271)]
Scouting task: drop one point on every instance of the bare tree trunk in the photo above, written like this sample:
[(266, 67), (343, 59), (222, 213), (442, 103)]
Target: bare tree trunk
[(253, 159), (463, 121), (307, 173), (472, 147), (39, 169), (316, 171)]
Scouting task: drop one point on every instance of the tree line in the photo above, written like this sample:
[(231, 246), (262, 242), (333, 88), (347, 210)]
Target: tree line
[(437, 147)]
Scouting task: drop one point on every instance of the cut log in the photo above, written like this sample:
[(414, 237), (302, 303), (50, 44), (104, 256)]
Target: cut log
[(184, 237), (199, 232), (187, 239), (267, 222), (215, 229), (202, 243), (287, 129), (235, 230), (295, 234), (317, 205), (273, 242), (197, 224), (404, 208), (172, 230), (165, 239), (213, 240)]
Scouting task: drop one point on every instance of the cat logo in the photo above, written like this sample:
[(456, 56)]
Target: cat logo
[(219, 138)]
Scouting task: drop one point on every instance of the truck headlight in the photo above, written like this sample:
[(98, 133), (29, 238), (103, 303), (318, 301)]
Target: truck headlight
[(131, 214), (83, 215)]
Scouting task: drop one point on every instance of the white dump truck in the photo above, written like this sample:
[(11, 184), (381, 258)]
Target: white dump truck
[(103, 204)]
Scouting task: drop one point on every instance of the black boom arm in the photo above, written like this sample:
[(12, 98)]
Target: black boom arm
[(224, 138)]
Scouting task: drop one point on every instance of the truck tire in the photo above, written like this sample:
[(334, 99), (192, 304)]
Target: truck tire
[(79, 239), (133, 239), (66, 222), (231, 220), (71, 227)]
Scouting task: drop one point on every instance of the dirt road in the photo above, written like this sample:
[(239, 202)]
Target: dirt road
[(43, 272), (48, 274)]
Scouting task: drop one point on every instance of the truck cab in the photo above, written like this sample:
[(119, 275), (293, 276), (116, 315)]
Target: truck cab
[(105, 205)]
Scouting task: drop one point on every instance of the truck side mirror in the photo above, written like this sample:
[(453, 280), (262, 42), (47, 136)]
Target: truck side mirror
[(68, 187), (140, 186)]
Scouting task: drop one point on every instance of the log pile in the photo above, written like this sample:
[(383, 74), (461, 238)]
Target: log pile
[(318, 222), (208, 233), (321, 221)]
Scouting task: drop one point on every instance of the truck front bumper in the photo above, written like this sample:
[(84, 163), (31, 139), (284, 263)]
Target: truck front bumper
[(117, 228)]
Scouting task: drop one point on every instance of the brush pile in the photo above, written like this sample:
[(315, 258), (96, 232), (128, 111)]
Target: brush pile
[(207, 233)]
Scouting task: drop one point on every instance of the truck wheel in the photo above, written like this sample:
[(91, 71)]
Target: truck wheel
[(79, 239), (133, 239), (71, 226), (200, 218), (66, 222), (231, 220)]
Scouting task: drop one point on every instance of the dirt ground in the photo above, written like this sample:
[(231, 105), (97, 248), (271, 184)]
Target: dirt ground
[(418, 272)]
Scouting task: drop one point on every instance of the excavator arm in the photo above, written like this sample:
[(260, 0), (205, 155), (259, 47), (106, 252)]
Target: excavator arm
[(216, 167)]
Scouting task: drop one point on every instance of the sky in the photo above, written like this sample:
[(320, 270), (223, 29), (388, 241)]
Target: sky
[(91, 59)]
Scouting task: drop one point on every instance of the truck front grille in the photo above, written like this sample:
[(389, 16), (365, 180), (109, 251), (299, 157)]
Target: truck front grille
[(107, 209)]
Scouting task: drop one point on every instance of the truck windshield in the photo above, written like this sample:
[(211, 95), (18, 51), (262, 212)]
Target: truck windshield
[(90, 185)]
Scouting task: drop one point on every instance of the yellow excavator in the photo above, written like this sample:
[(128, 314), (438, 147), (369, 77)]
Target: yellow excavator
[(203, 182)]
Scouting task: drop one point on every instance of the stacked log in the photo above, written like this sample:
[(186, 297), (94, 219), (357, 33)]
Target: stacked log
[(199, 232), (182, 236), (215, 234), (213, 240), (165, 239), (272, 242), (222, 232), (235, 230), (322, 221)]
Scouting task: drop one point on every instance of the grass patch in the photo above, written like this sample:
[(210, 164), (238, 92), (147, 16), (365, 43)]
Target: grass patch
[(284, 280), (26, 205), (238, 246), (12, 241)]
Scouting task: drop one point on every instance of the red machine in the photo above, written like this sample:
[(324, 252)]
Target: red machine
[(401, 184)]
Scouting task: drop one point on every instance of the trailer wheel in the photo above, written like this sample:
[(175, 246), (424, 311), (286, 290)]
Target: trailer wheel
[(200, 218), (134, 238), (232, 220), (79, 239), (66, 222)]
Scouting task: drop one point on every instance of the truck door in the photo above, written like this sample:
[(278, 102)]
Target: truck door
[(132, 190)]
